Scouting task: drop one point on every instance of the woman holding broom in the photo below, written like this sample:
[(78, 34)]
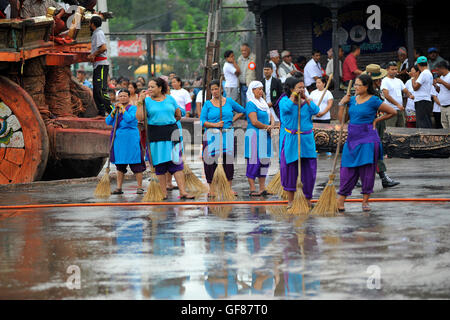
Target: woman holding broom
[(165, 151), (210, 120), (258, 144), (289, 132), (363, 147), (126, 149)]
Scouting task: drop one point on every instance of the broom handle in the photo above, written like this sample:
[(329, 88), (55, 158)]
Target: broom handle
[(220, 107), (116, 118), (325, 91), (341, 131), (299, 178), (146, 138)]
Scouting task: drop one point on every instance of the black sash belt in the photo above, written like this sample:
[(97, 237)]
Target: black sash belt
[(163, 133)]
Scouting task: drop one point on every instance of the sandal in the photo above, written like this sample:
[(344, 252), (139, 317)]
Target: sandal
[(254, 194), (366, 208), (186, 197), (341, 209), (264, 193), (140, 191), (117, 191)]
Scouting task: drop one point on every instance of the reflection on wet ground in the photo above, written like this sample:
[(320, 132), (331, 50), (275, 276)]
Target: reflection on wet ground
[(194, 253), (236, 252)]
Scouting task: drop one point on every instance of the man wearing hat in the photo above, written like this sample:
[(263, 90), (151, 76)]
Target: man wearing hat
[(287, 68), (377, 74), (422, 85), (433, 59)]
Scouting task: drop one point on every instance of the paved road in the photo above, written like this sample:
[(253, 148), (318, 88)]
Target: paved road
[(194, 252)]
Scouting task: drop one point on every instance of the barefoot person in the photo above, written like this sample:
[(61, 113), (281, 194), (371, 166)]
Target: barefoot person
[(258, 144), (289, 132), (162, 113), (210, 120), (363, 147), (126, 150)]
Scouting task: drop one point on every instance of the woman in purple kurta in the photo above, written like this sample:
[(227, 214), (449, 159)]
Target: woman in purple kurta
[(363, 147)]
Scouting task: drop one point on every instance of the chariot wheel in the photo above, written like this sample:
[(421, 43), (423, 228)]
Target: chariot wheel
[(24, 145)]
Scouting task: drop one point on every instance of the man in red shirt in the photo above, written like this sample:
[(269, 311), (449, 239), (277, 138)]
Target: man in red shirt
[(350, 68)]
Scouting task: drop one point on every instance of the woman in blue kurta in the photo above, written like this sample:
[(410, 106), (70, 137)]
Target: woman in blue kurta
[(363, 147), (126, 150), (258, 144), (295, 89), (210, 120), (165, 147)]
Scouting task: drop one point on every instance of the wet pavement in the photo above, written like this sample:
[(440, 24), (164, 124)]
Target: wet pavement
[(237, 252)]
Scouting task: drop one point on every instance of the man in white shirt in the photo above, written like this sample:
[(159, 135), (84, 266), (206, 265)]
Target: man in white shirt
[(199, 103), (313, 71), (231, 71), (443, 89), (330, 65), (393, 88), (286, 69), (422, 94)]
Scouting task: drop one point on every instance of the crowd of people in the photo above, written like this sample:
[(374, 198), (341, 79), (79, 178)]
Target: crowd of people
[(398, 95)]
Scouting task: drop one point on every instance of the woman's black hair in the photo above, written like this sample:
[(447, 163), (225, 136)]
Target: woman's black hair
[(161, 83), (227, 53), (323, 79), (214, 83), (367, 82), (134, 85), (411, 67), (178, 80), (290, 84), (124, 90)]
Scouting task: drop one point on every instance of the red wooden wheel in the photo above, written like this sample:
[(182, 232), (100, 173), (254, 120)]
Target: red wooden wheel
[(24, 144)]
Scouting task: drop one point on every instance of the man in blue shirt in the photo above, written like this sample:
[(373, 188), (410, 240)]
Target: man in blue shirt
[(81, 76)]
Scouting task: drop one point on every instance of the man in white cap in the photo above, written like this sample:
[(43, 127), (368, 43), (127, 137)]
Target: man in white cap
[(287, 68), (274, 60)]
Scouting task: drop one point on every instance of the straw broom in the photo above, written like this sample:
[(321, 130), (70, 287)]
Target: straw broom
[(192, 182), (219, 183), (274, 186), (300, 204), (327, 204), (103, 189), (154, 192)]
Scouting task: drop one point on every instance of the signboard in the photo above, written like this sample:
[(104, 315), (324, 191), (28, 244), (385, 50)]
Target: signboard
[(353, 28), (130, 48)]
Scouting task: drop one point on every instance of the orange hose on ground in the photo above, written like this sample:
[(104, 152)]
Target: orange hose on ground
[(203, 203)]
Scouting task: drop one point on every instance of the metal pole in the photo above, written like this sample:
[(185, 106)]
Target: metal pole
[(410, 33), (258, 45), (335, 43), (102, 6), (149, 56)]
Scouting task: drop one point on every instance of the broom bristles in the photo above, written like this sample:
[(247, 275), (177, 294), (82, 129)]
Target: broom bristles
[(274, 186), (154, 192), (300, 204), (327, 204), (221, 186), (103, 189), (283, 194), (193, 183)]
